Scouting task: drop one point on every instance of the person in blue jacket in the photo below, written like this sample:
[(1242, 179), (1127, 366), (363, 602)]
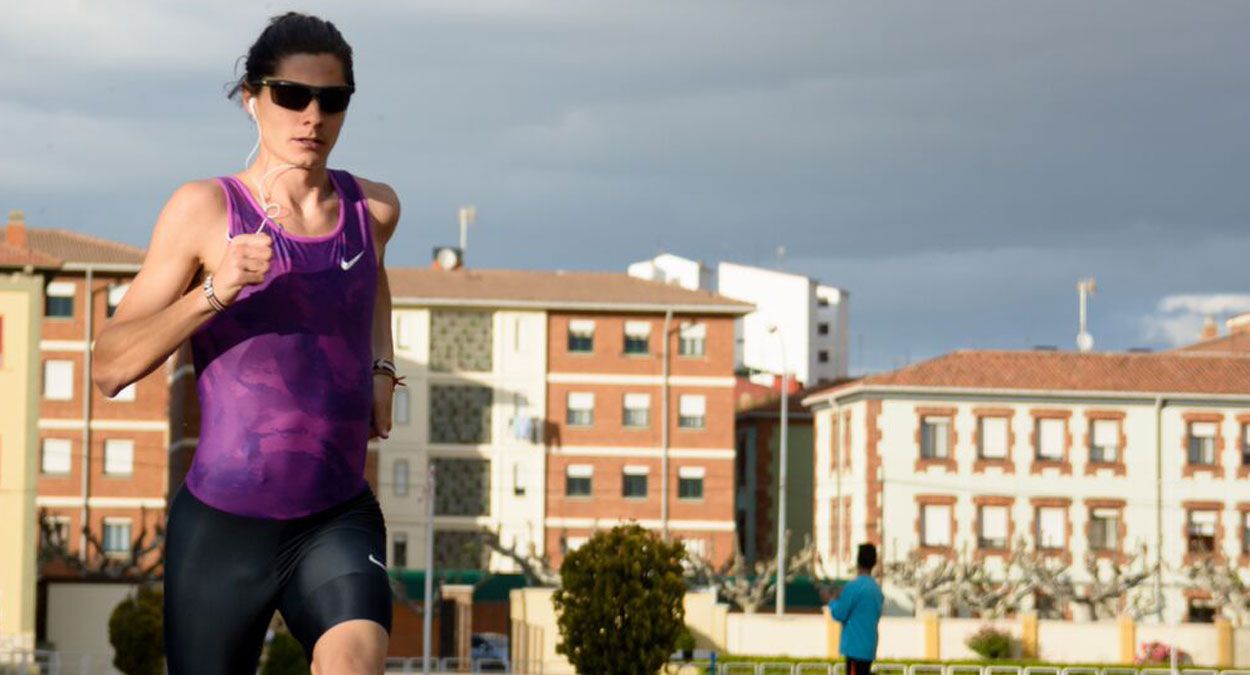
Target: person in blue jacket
[(858, 609)]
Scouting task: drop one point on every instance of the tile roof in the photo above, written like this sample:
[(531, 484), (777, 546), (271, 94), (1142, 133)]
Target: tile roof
[(1235, 343), (587, 291), (1167, 373), (56, 248)]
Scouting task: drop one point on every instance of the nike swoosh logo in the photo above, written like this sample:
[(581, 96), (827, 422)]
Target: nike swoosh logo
[(374, 560), (347, 264)]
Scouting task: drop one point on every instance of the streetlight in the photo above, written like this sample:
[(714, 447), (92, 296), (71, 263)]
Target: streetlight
[(781, 481)]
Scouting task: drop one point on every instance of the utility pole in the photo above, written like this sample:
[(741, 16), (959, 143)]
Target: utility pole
[(781, 482), (427, 618)]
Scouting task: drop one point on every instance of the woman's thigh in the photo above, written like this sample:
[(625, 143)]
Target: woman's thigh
[(220, 588)]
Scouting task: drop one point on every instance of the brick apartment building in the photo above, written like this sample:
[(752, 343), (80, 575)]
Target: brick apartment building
[(1078, 453), (543, 403), (99, 461)]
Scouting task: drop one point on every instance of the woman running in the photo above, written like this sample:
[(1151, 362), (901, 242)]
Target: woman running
[(276, 276)]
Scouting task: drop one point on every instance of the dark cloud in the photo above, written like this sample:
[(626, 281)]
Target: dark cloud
[(981, 153)]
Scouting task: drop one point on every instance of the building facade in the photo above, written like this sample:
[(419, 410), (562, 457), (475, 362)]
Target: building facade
[(548, 406), (96, 461), (1078, 455)]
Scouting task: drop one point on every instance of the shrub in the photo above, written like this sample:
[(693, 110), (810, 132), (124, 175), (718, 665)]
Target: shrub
[(991, 643), (1156, 652), (619, 606), (285, 657), (137, 633)]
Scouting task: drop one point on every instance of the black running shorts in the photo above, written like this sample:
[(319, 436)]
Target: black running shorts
[(226, 574)]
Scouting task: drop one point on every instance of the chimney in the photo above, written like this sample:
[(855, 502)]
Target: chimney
[(15, 231), (1210, 329)]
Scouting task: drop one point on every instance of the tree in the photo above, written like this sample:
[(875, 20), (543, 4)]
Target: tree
[(1107, 588), (54, 550), (619, 605), (136, 631), (1224, 583), (750, 589), (285, 657), (536, 568)]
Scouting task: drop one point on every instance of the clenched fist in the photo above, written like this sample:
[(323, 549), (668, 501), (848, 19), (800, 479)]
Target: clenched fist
[(245, 263)]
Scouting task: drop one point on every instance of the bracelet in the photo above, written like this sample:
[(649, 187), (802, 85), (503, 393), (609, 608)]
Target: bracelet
[(213, 300), (385, 364)]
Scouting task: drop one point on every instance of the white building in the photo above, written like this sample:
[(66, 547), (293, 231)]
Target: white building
[(671, 269), (1081, 454), (812, 319)]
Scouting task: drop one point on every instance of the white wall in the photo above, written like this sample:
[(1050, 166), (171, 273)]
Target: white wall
[(671, 269), (898, 425), (78, 615)]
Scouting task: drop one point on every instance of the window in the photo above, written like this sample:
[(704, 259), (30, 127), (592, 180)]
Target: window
[(637, 337), (119, 457), (56, 455), (402, 413), (695, 547), (992, 438), (993, 523), (637, 413), (822, 328), (1051, 438), (577, 480), (690, 482), (399, 477), (1104, 444), (117, 537), (1201, 610), (1245, 532), (58, 530), (581, 336), (822, 301), (399, 549), (822, 356), (115, 294), (935, 525), (59, 301), (573, 543), (692, 411), (693, 340), (1245, 444), (127, 394), (1201, 531), (1202, 443), (581, 409), (1104, 530), (58, 380), (935, 438), (403, 332), (518, 480), (635, 482), (1051, 526)]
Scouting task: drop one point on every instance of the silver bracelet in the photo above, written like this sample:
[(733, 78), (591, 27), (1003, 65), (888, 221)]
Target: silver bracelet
[(213, 301)]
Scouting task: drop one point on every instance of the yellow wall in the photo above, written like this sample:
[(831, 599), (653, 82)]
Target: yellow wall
[(21, 305)]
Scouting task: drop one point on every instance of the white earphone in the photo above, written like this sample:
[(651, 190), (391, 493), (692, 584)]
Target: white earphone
[(251, 107)]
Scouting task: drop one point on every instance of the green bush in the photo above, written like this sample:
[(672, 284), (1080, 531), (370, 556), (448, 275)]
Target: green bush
[(991, 643), (619, 606), (285, 657), (137, 633)]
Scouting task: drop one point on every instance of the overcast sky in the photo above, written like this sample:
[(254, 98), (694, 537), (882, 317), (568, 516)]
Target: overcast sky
[(957, 166)]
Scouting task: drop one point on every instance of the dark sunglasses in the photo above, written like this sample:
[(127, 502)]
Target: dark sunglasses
[(296, 96)]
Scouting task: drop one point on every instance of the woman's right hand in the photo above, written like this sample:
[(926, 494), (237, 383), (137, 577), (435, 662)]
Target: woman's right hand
[(245, 263)]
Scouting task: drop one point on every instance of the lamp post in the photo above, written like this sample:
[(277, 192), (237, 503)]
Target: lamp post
[(781, 481)]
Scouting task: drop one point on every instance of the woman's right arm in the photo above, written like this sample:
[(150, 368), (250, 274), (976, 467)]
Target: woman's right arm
[(158, 313)]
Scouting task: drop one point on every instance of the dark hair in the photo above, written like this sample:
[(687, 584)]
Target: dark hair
[(286, 35), (866, 557)]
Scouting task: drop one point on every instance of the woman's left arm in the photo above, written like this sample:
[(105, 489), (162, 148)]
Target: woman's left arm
[(384, 216)]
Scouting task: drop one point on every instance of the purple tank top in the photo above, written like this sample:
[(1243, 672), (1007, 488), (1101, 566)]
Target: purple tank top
[(285, 372)]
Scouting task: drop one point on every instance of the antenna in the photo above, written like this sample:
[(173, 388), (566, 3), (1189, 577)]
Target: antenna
[(1084, 289), (468, 216)]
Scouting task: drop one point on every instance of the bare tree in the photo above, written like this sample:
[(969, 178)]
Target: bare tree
[(1106, 590), (750, 588), (138, 564), (927, 581), (1225, 584), (536, 568)]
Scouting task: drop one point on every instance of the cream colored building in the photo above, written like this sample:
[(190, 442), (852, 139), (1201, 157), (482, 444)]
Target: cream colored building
[(21, 300), (1078, 454)]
